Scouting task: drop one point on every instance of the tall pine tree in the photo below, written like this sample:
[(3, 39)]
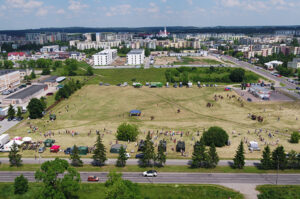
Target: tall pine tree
[(99, 156), (239, 159), (148, 151), (121, 162), (266, 161), (14, 156), (161, 156), (199, 157), (212, 158), (279, 158), (11, 112), (75, 158)]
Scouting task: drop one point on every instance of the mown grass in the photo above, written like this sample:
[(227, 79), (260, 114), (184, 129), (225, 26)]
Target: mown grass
[(136, 168), (279, 191), (148, 191)]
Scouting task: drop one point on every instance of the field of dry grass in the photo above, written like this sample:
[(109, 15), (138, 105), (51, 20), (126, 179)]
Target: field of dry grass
[(97, 108)]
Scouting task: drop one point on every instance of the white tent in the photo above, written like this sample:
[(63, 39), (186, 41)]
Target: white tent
[(253, 146), (27, 139), (8, 146)]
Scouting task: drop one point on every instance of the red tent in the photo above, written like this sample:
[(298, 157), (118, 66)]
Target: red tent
[(54, 148)]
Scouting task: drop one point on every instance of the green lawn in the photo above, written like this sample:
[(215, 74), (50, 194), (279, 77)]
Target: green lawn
[(279, 191), (135, 168), (149, 191)]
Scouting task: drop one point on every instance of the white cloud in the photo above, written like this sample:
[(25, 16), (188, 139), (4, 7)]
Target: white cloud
[(124, 9), (190, 2), (60, 11), (42, 12), (153, 8), (230, 3), (76, 5), (23, 4)]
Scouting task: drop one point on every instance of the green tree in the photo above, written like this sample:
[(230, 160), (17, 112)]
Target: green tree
[(147, 52), (14, 156), (117, 188), (32, 75), (148, 151), (99, 154), (35, 108), (298, 74), (212, 157), (295, 137), (121, 162), (237, 75), (19, 112), (127, 132), (89, 71), (75, 158), (161, 156), (1, 64), (44, 103), (31, 63), (199, 157), (54, 187), (8, 64), (239, 158), (292, 160), (11, 111), (215, 135), (20, 185), (46, 71), (279, 158), (295, 42), (266, 161)]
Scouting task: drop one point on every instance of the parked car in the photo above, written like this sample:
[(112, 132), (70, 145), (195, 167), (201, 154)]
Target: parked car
[(42, 149), (297, 88), (49, 94), (139, 156), (150, 173), (249, 99), (5, 93), (68, 151), (20, 118), (93, 179), (2, 118), (10, 119)]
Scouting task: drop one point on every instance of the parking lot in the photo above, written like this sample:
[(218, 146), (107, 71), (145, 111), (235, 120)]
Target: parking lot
[(274, 97)]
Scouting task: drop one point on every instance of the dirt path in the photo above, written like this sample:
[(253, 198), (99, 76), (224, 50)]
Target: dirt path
[(248, 190)]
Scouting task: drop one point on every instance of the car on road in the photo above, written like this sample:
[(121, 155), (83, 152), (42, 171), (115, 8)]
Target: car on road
[(139, 156), (297, 88), (42, 149), (93, 179), (150, 173)]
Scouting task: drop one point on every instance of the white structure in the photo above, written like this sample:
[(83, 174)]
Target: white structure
[(47, 49), (136, 57), (295, 63), (105, 57), (273, 64), (196, 54), (9, 79), (261, 92), (92, 44)]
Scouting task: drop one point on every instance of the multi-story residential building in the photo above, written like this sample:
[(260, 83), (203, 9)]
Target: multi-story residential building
[(9, 79), (97, 45), (295, 63), (105, 57), (136, 57), (46, 49)]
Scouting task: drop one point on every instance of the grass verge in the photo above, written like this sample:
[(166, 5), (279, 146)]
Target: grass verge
[(148, 191), (279, 191)]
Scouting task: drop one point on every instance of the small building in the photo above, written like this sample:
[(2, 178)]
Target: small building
[(273, 64), (16, 56), (116, 148), (50, 81), (25, 95), (48, 49), (135, 113)]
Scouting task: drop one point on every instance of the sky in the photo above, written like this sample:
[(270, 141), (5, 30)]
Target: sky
[(24, 14)]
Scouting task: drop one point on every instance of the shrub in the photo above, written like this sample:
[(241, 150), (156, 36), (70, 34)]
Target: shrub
[(127, 132), (237, 75), (295, 137), (21, 185), (215, 135)]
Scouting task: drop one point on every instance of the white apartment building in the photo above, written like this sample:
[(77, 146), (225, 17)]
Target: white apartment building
[(97, 45), (9, 79), (48, 49), (136, 57), (105, 57)]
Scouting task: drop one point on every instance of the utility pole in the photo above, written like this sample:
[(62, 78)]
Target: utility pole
[(277, 169)]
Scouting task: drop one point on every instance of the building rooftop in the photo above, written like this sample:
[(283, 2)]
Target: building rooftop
[(51, 79), (4, 72), (27, 92), (136, 51)]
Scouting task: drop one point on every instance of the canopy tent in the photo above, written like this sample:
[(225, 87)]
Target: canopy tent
[(27, 139), (54, 148), (17, 138), (116, 148), (135, 113)]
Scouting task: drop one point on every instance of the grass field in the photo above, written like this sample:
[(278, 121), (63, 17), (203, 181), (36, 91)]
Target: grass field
[(163, 191), (279, 191), (105, 108), (136, 168)]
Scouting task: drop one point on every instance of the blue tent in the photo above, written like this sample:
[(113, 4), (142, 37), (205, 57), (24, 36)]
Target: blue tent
[(135, 113)]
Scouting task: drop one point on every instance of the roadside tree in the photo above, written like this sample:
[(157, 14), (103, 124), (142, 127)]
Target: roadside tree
[(161, 156), (121, 162), (20, 185), (19, 112), (148, 151), (11, 112), (75, 158), (199, 157), (239, 159), (99, 156), (65, 187), (279, 158), (212, 157), (266, 161), (14, 156)]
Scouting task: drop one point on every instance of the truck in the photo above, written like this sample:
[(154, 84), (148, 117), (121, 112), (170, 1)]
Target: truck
[(4, 138)]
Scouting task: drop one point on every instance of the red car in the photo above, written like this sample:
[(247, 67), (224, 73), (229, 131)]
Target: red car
[(93, 179), (49, 94)]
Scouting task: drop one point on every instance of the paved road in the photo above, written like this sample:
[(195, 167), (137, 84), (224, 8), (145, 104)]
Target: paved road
[(266, 74), (6, 125), (178, 178), (169, 162)]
